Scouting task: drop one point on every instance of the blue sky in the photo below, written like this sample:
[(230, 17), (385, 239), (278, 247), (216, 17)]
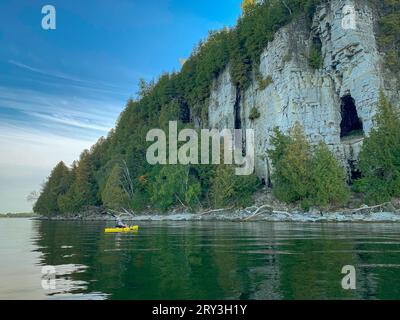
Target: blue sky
[(60, 90)]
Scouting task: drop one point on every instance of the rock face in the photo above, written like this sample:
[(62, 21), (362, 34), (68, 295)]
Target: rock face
[(331, 103)]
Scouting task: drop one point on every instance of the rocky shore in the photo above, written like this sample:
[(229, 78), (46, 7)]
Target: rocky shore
[(264, 209)]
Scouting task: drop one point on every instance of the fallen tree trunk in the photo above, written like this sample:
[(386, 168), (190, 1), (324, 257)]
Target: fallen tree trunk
[(215, 210), (367, 208), (257, 212)]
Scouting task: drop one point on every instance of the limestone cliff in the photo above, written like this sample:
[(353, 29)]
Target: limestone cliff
[(337, 99)]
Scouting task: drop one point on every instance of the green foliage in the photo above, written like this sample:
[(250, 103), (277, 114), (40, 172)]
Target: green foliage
[(248, 6), (175, 185), (379, 160), (315, 58), (264, 83), (83, 190), (328, 179), (254, 114), (227, 188), (389, 34), (113, 195), (55, 187), (291, 158), (312, 179)]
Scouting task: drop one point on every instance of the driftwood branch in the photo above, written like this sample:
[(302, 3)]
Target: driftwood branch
[(258, 212), (180, 201), (215, 210), (367, 207), (118, 213)]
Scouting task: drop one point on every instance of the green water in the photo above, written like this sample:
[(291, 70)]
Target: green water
[(199, 260)]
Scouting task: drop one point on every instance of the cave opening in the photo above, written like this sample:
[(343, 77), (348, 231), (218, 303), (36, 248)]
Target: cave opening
[(351, 124)]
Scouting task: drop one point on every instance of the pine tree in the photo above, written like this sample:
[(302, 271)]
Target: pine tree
[(300, 175), (227, 188), (291, 161), (170, 186), (113, 195), (54, 187), (83, 191), (379, 160), (66, 201), (328, 179)]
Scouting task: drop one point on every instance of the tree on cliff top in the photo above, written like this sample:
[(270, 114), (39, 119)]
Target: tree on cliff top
[(248, 5)]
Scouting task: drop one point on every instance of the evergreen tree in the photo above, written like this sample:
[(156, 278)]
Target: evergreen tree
[(113, 195), (300, 175), (291, 158), (227, 188), (65, 201), (379, 160), (83, 191), (54, 187), (171, 185), (389, 34), (328, 179)]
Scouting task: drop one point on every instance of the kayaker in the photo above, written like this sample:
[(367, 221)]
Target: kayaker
[(120, 223)]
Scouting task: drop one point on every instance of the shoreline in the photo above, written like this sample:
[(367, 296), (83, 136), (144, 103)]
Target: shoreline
[(242, 216), (265, 208)]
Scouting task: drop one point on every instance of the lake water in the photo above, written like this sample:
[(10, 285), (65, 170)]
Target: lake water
[(198, 260)]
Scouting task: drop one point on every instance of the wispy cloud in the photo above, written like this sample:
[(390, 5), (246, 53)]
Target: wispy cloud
[(70, 121), (61, 75), (54, 110), (39, 129)]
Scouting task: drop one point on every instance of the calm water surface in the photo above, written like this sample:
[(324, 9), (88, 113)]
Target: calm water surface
[(198, 260)]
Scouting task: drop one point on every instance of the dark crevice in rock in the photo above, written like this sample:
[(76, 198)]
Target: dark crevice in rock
[(240, 138), (355, 173), (238, 120), (185, 114)]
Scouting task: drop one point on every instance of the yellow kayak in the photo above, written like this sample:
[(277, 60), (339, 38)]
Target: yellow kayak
[(118, 230)]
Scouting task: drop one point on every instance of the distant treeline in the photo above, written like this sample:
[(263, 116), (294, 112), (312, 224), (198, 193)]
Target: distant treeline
[(17, 215), (114, 173)]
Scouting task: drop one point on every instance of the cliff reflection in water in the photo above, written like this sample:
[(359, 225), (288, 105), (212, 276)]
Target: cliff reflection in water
[(179, 260)]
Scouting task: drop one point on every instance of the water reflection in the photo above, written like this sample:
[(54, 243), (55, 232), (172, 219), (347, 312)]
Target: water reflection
[(222, 260)]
